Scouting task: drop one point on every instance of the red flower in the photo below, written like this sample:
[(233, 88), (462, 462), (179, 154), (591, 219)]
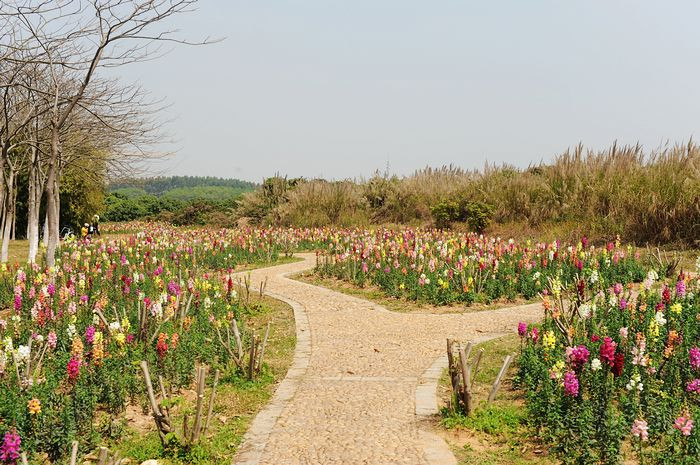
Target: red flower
[(619, 364), (607, 351), (162, 345)]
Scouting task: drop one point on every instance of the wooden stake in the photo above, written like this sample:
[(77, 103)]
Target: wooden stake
[(212, 396), (74, 453), (262, 349), (499, 378), (466, 382), (476, 365)]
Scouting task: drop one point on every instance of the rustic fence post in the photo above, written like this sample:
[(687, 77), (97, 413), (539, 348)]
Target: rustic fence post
[(499, 378)]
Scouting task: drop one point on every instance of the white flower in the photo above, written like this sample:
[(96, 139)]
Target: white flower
[(95, 319), (71, 331), (594, 276), (595, 364), (22, 353), (39, 338), (207, 303), (234, 294), (660, 320), (585, 311), (635, 383), (536, 276), (612, 301), (114, 326)]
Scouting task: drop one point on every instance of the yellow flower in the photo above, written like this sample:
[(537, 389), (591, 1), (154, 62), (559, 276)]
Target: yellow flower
[(120, 338), (34, 406), (548, 340), (653, 330), (676, 308)]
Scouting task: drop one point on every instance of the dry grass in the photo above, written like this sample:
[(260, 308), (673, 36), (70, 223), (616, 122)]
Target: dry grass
[(642, 196)]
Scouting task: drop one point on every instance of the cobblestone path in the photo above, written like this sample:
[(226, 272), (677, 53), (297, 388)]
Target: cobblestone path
[(362, 380)]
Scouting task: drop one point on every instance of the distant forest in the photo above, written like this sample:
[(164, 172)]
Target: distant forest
[(159, 185), (178, 199)]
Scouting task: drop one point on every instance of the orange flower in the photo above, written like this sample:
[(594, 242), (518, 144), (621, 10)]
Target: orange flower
[(34, 406)]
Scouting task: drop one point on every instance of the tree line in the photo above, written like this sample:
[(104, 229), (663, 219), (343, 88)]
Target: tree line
[(62, 108)]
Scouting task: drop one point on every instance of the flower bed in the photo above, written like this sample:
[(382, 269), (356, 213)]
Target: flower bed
[(72, 336), (442, 267), (614, 374)]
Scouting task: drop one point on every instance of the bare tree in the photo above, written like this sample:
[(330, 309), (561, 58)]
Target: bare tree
[(73, 40)]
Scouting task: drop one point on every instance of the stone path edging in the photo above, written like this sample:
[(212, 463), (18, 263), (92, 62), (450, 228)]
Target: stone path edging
[(256, 437)]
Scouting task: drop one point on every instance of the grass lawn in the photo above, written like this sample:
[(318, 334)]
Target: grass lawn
[(495, 434)]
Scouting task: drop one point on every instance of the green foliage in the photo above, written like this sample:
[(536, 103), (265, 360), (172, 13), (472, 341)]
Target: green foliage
[(475, 214)]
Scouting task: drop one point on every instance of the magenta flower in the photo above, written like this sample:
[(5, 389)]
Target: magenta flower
[(579, 356), (570, 384), (51, 289), (693, 386), (522, 329), (73, 369), (694, 354), (9, 450), (680, 288), (90, 334), (18, 302), (534, 334)]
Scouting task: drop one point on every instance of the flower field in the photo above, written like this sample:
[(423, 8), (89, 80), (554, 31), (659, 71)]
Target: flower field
[(444, 267), (72, 336), (613, 374)]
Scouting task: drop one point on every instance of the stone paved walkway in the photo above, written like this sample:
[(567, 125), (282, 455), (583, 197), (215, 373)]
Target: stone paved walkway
[(350, 395)]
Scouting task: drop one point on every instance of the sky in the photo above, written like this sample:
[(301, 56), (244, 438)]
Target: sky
[(340, 89)]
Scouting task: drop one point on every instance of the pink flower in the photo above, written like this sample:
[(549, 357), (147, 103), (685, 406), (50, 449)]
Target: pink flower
[(694, 354), (522, 329), (534, 334), (570, 384), (52, 340), (684, 425), (624, 332), (640, 429), (617, 288), (9, 450), (607, 351)]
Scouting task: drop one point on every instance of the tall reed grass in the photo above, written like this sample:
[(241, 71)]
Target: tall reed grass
[(645, 197)]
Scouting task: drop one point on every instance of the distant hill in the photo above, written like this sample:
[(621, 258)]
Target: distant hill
[(183, 188)]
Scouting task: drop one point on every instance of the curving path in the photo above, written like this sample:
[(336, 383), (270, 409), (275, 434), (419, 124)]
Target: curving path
[(362, 380)]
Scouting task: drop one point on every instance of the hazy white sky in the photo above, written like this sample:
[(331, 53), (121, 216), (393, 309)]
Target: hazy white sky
[(343, 88)]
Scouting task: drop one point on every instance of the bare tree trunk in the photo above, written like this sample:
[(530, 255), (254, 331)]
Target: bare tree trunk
[(33, 206), (52, 199), (9, 218)]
